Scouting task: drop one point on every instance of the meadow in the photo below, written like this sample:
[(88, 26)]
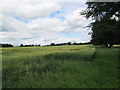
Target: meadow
[(73, 66)]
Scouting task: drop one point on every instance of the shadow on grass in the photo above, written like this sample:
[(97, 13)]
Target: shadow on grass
[(99, 46), (70, 56)]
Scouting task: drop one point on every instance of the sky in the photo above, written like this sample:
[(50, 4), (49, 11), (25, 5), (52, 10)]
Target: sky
[(38, 22)]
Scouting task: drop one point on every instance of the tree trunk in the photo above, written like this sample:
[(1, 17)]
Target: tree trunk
[(111, 45), (106, 45)]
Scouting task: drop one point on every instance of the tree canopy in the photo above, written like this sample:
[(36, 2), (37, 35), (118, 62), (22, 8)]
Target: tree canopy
[(99, 10), (105, 28)]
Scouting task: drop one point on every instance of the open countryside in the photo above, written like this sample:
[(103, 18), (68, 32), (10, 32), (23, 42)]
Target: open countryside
[(60, 44), (74, 66)]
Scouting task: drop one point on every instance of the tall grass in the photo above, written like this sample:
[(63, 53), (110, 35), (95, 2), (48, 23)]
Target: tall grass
[(60, 67)]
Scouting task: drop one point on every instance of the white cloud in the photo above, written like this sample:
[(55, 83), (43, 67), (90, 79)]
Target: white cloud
[(9, 1), (41, 29), (75, 22), (30, 11), (46, 24), (75, 19)]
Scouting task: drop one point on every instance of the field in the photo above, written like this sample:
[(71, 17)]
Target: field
[(74, 66)]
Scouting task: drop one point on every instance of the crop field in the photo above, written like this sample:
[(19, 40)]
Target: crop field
[(73, 66)]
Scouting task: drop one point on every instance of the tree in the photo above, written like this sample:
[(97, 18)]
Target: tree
[(52, 44), (32, 45), (39, 45), (69, 43), (36, 45), (105, 29), (105, 32), (21, 45), (74, 43)]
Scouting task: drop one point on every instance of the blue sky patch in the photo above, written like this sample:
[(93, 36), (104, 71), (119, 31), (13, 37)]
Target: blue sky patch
[(61, 18), (55, 15), (73, 35), (20, 19)]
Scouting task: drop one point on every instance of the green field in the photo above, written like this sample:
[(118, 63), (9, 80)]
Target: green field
[(74, 66)]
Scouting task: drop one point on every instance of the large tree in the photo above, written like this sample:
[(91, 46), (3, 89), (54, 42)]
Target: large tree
[(106, 25), (105, 32), (99, 10)]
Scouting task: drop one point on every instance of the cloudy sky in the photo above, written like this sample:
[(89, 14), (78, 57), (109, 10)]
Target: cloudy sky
[(43, 22)]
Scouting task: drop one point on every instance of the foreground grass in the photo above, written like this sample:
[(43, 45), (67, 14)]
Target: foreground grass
[(60, 67)]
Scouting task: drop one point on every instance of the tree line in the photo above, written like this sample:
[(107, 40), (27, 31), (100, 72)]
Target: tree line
[(31, 45), (58, 44), (52, 44), (69, 43), (6, 45)]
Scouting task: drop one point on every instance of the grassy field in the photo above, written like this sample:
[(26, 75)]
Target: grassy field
[(74, 66)]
